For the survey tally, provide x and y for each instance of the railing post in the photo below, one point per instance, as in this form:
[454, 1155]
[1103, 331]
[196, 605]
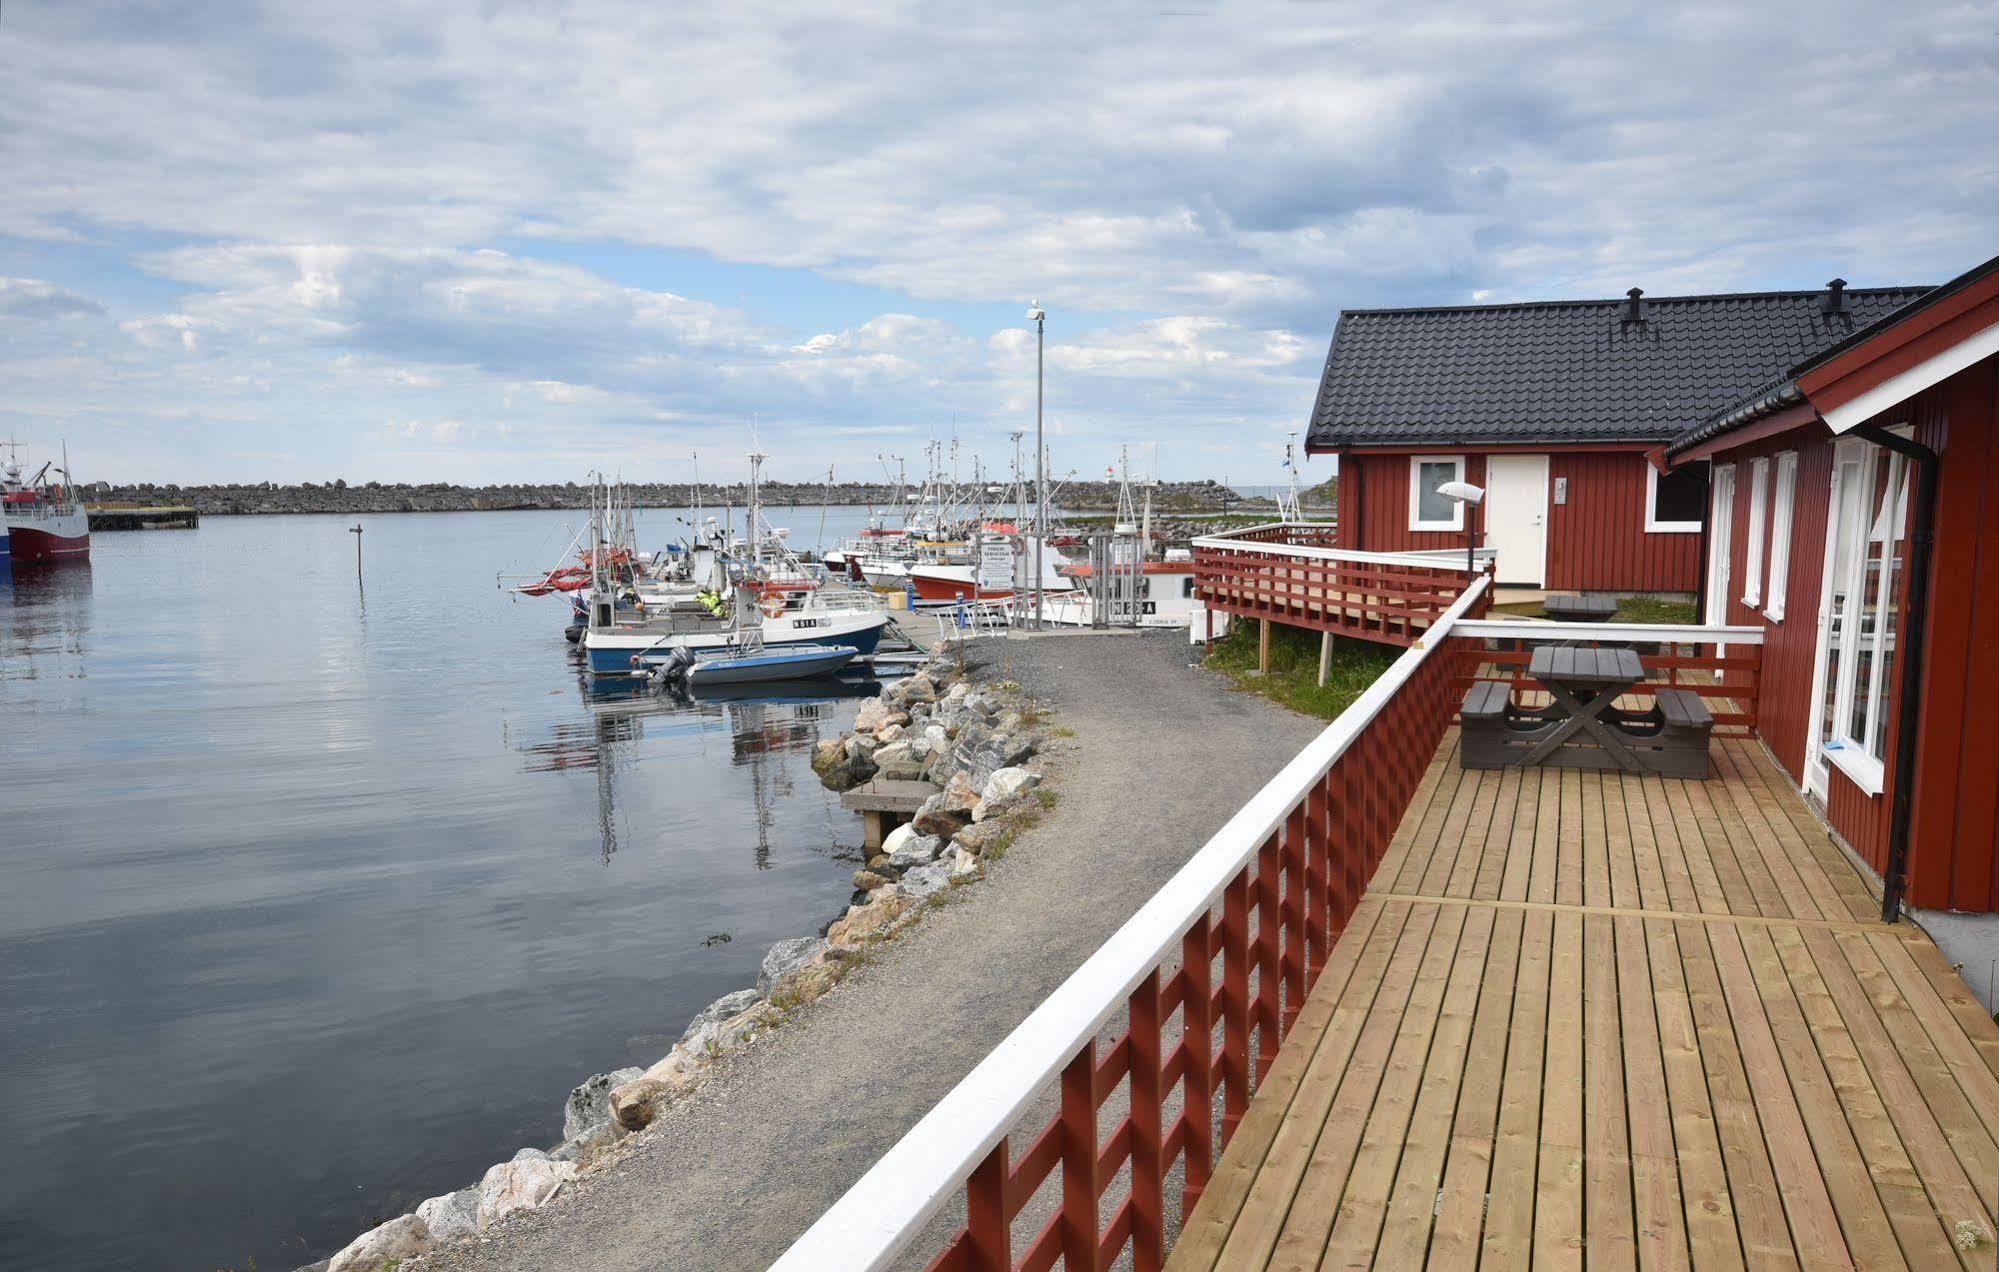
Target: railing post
[1148, 1167]
[1079, 1161]
[1197, 1088]
[1317, 912]
[988, 1231]
[1235, 1004]
[1269, 979]
[1297, 904]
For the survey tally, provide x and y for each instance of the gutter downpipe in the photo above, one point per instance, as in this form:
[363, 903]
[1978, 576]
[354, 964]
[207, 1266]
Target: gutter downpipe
[1922, 534]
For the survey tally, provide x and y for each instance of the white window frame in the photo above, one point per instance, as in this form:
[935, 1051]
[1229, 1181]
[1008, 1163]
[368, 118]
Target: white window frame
[1842, 750]
[1416, 522]
[1752, 548]
[1783, 500]
[1652, 523]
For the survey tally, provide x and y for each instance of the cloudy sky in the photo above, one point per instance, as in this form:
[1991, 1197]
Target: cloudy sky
[517, 239]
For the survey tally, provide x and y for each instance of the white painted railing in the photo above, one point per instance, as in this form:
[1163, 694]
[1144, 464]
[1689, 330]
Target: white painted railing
[1660, 633]
[1235, 541]
[890, 1205]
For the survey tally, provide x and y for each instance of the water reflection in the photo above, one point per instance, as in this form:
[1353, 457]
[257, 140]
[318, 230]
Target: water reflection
[48, 620]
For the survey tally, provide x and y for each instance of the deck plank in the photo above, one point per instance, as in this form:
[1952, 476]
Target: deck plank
[1622, 1021]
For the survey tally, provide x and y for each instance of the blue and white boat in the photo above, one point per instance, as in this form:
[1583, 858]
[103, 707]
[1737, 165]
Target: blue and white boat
[752, 663]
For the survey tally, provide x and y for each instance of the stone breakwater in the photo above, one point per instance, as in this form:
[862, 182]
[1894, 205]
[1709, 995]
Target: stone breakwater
[980, 745]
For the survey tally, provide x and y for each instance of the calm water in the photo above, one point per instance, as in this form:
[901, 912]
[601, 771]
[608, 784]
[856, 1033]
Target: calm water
[315, 900]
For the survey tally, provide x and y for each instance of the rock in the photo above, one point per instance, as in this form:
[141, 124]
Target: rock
[936, 735]
[963, 863]
[728, 1005]
[866, 921]
[868, 881]
[454, 1216]
[403, 1237]
[880, 864]
[895, 839]
[980, 836]
[875, 713]
[918, 688]
[512, 1187]
[635, 1104]
[840, 779]
[786, 957]
[924, 880]
[1009, 781]
[917, 850]
[585, 1148]
[909, 770]
[893, 753]
[859, 747]
[808, 984]
[960, 796]
[934, 818]
[590, 1102]
[889, 733]
[958, 693]
[829, 755]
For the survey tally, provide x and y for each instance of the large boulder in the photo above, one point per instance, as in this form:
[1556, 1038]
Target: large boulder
[867, 880]
[898, 752]
[635, 1104]
[585, 1148]
[918, 688]
[960, 796]
[924, 880]
[786, 957]
[963, 863]
[452, 1217]
[711, 1017]
[935, 817]
[1008, 782]
[829, 755]
[917, 850]
[403, 1237]
[863, 922]
[590, 1102]
[875, 713]
[979, 837]
[525, 1183]
[808, 984]
[895, 839]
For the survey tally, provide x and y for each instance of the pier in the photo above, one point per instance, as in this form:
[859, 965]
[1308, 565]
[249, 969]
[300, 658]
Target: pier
[142, 517]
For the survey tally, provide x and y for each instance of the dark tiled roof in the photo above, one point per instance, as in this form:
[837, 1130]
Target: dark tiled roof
[1770, 398]
[1568, 371]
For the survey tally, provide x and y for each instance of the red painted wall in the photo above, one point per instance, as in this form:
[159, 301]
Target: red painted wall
[1596, 541]
[1954, 835]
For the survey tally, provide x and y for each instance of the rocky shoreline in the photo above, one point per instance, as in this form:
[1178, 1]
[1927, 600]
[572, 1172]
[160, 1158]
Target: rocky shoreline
[980, 745]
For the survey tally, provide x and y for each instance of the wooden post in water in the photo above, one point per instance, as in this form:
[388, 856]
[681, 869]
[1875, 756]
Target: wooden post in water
[355, 530]
[1325, 656]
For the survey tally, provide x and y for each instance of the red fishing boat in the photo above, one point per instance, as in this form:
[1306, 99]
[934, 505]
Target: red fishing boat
[44, 521]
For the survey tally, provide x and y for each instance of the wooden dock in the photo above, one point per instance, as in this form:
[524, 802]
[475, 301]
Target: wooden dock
[1618, 1021]
[135, 517]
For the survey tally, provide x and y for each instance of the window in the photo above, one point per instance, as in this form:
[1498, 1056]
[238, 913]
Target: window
[1870, 495]
[1428, 509]
[1780, 536]
[1674, 501]
[1752, 551]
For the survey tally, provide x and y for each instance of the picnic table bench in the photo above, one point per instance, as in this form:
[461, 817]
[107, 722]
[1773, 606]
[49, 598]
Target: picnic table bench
[1573, 607]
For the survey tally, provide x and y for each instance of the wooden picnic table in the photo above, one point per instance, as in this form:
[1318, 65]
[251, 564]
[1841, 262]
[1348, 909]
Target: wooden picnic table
[1567, 673]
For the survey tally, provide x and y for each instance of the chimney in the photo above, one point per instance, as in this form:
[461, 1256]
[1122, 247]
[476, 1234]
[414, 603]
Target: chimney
[1834, 300]
[1634, 305]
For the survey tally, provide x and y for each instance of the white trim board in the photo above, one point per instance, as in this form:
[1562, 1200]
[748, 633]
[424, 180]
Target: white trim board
[1897, 389]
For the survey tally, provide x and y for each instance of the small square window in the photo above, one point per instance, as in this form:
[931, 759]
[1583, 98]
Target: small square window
[1675, 502]
[1429, 509]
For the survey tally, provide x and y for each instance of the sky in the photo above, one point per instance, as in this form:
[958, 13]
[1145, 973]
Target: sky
[518, 240]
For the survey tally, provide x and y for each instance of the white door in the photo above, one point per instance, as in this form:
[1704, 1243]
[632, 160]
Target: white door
[1516, 517]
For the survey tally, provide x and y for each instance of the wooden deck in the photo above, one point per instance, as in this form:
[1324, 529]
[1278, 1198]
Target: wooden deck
[1590, 1018]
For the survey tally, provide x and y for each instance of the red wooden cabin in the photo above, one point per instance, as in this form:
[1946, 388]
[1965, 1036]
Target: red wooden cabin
[1829, 491]
[1552, 406]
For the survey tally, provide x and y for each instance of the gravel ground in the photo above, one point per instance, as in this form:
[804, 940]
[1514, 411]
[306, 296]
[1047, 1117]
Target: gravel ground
[1162, 755]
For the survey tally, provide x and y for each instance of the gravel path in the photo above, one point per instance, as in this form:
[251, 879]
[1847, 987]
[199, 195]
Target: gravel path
[1162, 755]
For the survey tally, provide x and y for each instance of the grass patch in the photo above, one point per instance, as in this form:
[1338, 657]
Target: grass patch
[1650, 609]
[1294, 667]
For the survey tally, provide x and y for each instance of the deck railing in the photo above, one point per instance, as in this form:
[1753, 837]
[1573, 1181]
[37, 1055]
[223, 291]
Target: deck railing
[1289, 572]
[1209, 976]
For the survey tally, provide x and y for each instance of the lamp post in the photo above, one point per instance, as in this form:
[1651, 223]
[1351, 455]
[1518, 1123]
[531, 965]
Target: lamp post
[1039, 317]
[1467, 497]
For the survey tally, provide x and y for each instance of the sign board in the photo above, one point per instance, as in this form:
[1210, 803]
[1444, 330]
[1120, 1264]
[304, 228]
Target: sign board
[995, 563]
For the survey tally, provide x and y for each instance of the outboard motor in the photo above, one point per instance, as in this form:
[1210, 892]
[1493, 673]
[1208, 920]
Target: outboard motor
[674, 669]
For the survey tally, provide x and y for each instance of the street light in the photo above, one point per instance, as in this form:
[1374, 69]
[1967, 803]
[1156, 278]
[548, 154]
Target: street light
[1039, 317]
[1467, 496]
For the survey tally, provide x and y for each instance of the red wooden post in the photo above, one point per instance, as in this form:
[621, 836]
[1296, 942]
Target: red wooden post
[1268, 978]
[1197, 1087]
[1079, 1161]
[1235, 1003]
[988, 1233]
[1148, 1165]
[1316, 917]
[1295, 908]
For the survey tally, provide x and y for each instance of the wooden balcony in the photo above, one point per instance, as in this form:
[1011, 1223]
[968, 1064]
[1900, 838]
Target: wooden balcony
[1622, 1021]
[1291, 573]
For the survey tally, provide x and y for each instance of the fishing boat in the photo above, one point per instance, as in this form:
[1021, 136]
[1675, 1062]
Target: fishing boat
[42, 520]
[749, 661]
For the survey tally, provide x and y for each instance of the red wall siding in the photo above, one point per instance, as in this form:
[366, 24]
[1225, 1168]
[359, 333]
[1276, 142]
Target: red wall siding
[1596, 541]
[1954, 836]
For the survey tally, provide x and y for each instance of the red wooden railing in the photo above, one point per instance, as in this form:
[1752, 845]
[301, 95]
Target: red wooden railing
[1293, 575]
[1209, 976]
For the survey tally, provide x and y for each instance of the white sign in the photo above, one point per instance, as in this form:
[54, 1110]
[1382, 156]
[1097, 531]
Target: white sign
[995, 563]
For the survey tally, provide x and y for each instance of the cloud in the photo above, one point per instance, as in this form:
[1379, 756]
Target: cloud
[1194, 196]
[31, 300]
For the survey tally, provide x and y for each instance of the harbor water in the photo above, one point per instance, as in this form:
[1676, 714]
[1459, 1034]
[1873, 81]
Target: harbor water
[318, 892]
